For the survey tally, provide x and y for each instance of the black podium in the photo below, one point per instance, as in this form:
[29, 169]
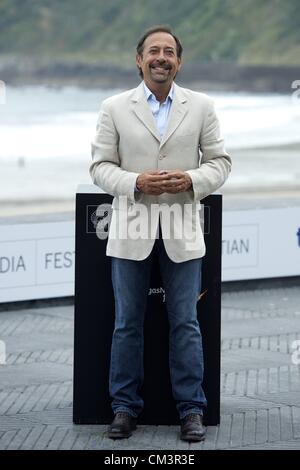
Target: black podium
[94, 322]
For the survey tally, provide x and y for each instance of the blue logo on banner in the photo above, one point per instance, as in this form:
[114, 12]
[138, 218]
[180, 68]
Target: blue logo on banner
[298, 235]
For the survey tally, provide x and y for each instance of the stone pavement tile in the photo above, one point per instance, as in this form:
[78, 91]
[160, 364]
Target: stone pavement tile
[273, 424]
[159, 436]
[260, 382]
[296, 421]
[283, 343]
[68, 439]
[249, 428]
[35, 373]
[166, 435]
[50, 391]
[259, 327]
[286, 423]
[277, 298]
[228, 382]
[93, 442]
[14, 422]
[37, 342]
[26, 398]
[196, 446]
[82, 436]
[239, 360]
[236, 434]
[9, 323]
[67, 356]
[18, 358]
[56, 355]
[58, 311]
[57, 438]
[284, 398]
[294, 377]
[41, 356]
[109, 444]
[62, 397]
[244, 313]
[224, 432]
[45, 437]
[211, 438]
[122, 444]
[252, 382]
[232, 404]
[281, 445]
[6, 438]
[125, 444]
[273, 379]
[239, 429]
[59, 417]
[261, 435]
[14, 324]
[143, 435]
[18, 439]
[8, 398]
[95, 439]
[241, 383]
[32, 437]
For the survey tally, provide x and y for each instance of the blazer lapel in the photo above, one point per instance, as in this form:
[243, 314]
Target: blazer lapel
[143, 111]
[178, 112]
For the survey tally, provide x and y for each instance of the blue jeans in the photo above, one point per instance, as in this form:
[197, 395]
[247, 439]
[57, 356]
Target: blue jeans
[182, 284]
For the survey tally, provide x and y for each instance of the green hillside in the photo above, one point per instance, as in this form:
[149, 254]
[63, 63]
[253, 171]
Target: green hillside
[243, 31]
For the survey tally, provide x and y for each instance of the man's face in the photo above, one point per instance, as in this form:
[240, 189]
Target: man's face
[159, 62]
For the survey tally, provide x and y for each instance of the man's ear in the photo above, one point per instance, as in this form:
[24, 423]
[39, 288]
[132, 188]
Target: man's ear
[179, 63]
[138, 60]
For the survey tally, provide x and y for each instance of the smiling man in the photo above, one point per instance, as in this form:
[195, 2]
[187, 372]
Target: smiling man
[158, 146]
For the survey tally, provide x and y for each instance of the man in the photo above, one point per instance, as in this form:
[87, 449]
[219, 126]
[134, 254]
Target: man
[158, 147]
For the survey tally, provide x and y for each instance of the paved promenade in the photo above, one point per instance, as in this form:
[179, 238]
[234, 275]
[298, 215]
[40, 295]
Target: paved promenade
[260, 384]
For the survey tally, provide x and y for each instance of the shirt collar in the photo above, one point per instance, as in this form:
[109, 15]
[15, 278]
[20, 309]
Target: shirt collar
[150, 95]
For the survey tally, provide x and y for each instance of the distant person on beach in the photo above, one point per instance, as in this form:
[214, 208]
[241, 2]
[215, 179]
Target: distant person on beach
[157, 146]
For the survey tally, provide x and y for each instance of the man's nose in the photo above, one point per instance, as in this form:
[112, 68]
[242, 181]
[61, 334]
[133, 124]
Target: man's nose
[161, 56]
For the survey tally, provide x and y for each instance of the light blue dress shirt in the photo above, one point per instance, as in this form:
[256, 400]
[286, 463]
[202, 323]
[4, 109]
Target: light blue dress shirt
[159, 110]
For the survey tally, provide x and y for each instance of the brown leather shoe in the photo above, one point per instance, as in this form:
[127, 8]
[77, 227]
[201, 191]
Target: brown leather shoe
[122, 426]
[192, 428]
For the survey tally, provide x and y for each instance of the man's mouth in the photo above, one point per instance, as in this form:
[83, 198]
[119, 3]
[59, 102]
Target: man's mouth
[160, 68]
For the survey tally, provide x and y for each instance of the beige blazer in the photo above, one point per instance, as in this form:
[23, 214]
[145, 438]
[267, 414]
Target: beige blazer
[127, 143]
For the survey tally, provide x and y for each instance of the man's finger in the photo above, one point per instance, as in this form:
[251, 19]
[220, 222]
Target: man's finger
[173, 182]
[158, 178]
[176, 174]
